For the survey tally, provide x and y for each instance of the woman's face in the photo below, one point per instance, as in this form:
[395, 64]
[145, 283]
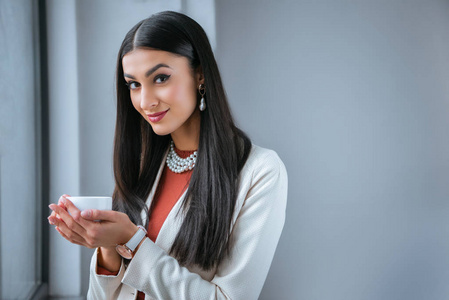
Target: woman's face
[163, 83]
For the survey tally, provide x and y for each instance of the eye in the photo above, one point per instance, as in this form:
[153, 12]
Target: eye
[161, 78]
[132, 85]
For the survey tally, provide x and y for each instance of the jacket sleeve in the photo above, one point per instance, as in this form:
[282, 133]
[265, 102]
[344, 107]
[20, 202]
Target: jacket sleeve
[106, 287]
[254, 239]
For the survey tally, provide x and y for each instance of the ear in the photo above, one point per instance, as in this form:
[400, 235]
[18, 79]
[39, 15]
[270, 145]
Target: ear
[199, 75]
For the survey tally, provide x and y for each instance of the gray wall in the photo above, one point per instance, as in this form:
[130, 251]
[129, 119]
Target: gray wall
[20, 201]
[354, 97]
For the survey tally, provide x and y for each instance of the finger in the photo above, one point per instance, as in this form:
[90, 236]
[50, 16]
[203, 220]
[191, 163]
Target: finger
[61, 201]
[55, 220]
[53, 215]
[70, 234]
[51, 220]
[68, 220]
[76, 214]
[103, 215]
[64, 236]
[61, 205]
[72, 209]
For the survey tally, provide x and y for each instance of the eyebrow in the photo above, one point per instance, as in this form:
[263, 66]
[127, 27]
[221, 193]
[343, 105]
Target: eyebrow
[149, 72]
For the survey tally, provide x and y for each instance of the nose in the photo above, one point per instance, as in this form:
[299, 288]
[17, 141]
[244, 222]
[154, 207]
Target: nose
[148, 100]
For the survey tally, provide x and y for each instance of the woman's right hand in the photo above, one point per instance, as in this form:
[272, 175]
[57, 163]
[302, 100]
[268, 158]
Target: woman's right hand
[82, 228]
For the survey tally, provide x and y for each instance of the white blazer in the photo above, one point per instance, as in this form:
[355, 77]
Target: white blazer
[257, 225]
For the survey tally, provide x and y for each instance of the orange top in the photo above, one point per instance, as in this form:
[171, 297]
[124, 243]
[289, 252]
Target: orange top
[170, 188]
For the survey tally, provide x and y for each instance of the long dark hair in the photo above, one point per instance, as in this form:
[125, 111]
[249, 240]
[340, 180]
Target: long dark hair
[203, 238]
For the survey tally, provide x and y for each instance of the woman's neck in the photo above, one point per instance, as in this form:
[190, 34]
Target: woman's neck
[185, 142]
[187, 137]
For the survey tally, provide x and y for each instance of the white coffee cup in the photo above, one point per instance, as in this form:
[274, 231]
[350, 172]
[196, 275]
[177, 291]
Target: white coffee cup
[83, 203]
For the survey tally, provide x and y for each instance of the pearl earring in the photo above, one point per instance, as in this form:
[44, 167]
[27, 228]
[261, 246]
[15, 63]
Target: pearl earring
[202, 91]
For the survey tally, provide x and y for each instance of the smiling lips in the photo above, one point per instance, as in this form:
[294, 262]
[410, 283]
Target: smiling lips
[156, 117]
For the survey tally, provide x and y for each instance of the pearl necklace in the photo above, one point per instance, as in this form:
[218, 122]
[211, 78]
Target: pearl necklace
[177, 164]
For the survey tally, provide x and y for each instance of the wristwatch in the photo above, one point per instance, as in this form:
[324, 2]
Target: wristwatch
[127, 250]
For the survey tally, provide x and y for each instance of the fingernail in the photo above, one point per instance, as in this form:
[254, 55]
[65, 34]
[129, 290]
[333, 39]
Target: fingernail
[50, 220]
[50, 206]
[86, 213]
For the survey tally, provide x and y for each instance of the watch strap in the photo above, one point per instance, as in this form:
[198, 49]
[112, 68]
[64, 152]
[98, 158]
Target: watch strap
[136, 239]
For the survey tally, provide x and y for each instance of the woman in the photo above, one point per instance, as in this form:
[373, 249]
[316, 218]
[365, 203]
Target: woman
[212, 202]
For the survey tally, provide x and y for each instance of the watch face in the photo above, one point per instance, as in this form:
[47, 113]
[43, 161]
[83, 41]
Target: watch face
[124, 251]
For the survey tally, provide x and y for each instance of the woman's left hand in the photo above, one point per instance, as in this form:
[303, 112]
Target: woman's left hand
[81, 228]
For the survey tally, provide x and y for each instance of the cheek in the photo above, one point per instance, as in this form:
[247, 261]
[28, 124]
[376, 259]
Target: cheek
[169, 94]
[135, 100]
[179, 95]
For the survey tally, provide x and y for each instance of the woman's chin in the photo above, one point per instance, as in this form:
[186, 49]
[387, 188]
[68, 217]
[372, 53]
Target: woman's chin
[160, 131]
